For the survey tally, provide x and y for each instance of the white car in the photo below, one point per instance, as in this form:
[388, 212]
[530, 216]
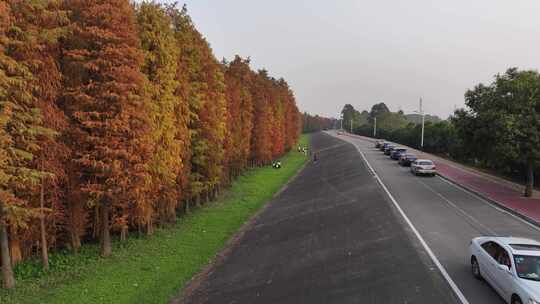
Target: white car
[423, 166]
[510, 265]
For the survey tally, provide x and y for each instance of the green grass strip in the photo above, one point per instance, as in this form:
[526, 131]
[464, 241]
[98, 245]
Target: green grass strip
[153, 269]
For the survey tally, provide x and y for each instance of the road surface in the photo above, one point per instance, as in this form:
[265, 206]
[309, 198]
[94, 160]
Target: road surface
[332, 236]
[447, 217]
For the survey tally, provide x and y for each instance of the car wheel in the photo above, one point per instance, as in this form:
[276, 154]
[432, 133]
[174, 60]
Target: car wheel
[516, 300]
[475, 268]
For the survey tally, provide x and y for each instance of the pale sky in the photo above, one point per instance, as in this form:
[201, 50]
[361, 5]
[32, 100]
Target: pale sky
[363, 52]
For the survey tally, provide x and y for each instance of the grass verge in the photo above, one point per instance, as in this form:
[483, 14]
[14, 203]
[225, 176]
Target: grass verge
[153, 269]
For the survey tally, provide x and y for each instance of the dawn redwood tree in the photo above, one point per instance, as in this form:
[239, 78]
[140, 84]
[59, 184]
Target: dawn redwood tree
[261, 145]
[292, 124]
[21, 125]
[104, 100]
[202, 86]
[168, 126]
[42, 23]
[211, 123]
[238, 79]
[276, 104]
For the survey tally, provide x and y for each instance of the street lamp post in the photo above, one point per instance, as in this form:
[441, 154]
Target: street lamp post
[423, 121]
[421, 112]
[375, 127]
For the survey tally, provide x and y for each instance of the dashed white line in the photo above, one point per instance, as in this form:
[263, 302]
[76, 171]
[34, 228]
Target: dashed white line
[491, 204]
[463, 212]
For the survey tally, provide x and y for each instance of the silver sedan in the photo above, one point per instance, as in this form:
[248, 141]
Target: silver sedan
[510, 265]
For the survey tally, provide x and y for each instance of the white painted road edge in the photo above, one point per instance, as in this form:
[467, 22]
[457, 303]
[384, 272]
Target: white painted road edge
[443, 271]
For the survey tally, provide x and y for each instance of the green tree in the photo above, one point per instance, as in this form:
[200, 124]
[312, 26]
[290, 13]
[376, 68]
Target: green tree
[506, 120]
[378, 109]
[350, 117]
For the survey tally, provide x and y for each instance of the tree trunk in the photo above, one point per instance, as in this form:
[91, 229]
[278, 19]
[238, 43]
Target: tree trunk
[123, 233]
[106, 248]
[529, 186]
[149, 227]
[15, 248]
[187, 206]
[44, 248]
[8, 279]
[75, 241]
[97, 225]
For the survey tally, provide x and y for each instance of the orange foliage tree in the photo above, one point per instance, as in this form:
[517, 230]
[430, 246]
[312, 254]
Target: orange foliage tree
[116, 116]
[104, 88]
[238, 79]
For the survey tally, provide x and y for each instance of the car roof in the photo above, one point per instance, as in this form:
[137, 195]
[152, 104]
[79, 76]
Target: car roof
[512, 244]
[427, 160]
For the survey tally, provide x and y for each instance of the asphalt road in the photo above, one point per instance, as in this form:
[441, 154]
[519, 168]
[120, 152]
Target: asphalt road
[447, 217]
[333, 236]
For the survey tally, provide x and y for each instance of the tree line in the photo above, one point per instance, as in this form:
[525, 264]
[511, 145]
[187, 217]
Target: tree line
[314, 123]
[116, 118]
[498, 129]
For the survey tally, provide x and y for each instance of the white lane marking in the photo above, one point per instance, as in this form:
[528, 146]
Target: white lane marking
[463, 212]
[443, 271]
[491, 204]
[472, 194]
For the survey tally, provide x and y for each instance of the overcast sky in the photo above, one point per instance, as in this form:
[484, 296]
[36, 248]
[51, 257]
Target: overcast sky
[362, 52]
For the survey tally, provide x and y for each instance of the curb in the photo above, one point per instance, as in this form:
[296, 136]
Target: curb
[496, 203]
[459, 166]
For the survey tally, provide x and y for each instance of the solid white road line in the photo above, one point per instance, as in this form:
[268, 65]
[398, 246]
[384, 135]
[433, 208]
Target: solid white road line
[443, 271]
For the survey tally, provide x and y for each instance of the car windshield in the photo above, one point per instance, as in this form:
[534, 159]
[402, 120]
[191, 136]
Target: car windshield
[425, 163]
[411, 157]
[528, 267]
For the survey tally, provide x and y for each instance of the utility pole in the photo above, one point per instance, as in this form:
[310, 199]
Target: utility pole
[351, 125]
[375, 127]
[422, 138]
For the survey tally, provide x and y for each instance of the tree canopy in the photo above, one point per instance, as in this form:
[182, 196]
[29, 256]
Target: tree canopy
[116, 117]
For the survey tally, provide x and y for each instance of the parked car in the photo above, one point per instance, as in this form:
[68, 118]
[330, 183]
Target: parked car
[383, 146]
[396, 153]
[510, 265]
[423, 166]
[406, 159]
[388, 149]
[379, 143]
